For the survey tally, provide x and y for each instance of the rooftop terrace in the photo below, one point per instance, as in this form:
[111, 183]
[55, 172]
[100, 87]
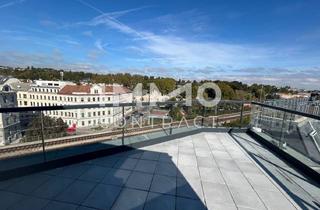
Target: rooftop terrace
[264, 165]
[207, 170]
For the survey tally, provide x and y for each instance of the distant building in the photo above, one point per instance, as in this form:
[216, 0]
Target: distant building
[291, 96]
[154, 96]
[9, 122]
[54, 93]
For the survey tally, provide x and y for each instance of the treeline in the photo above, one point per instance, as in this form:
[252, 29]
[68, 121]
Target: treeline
[230, 89]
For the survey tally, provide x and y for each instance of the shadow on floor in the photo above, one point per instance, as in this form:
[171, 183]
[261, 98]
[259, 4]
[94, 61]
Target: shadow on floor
[136, 179]
[289, 186]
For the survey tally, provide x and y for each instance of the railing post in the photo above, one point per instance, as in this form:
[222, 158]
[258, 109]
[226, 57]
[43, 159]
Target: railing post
[203, 115]
[282, 129]
[170, 110]
[42, 137]
[241, 114]
[123, 121]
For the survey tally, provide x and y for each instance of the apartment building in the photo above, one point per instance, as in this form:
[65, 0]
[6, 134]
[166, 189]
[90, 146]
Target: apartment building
[9, 122]
[54, 93]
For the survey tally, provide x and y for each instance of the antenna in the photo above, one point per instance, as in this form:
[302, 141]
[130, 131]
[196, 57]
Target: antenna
[61, 75]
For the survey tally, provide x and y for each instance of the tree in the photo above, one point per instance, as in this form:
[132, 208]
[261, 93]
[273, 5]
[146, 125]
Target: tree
[175, 113]
[51, 127]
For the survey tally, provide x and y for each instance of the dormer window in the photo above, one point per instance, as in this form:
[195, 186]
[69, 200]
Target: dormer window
[96, 91]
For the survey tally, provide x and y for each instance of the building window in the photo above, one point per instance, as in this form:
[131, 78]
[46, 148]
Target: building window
[82, 100]
[96, 91]
[109, 99]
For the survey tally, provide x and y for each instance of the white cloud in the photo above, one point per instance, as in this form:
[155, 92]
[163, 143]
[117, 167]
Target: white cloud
[100, 45]
[11, 3]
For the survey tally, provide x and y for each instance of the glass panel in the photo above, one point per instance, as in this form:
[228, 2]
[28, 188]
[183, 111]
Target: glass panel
[20, 142]
[297, 135]
[81, 130]
[301, 139]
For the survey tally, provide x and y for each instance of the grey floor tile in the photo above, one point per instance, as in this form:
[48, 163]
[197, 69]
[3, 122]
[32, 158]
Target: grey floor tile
[139, 180]
[164, 157]
[221, 155]
[8, 199]
[130, 199]
[246, 198]
[85, 208]
[227, 165]
[188, 172]
[261, 181]
[187, 160]
[207, 162]
[53, 187]
[236, 179]
[102, 197]
[163, 184]
[76, 192]
[186, 150]
[7, 183]
[53, 172]
[135, 154]
[167, 169]
[126, 163]
[29, 203]
[222, 207]
[157, 201]
[146, 166]
[108, 161]
[29, 183]
[150, 155]
[55, 205]
[74, 171]
[203, 152]
[189, 188]
[116, 177]
[247, 167]
[215, 193]
[211, 175]
[275, 200]
[189, 204]
[95, 173]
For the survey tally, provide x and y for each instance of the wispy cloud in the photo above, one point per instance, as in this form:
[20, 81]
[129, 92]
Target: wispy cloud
[181, 52]
[100, 45]
[11, 3]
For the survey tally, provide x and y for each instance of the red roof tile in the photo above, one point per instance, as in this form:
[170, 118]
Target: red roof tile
[69, 89]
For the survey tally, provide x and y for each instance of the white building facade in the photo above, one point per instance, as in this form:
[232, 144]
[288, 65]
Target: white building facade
[55, 93]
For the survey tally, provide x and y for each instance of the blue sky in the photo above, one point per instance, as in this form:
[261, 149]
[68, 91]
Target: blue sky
[274, 42]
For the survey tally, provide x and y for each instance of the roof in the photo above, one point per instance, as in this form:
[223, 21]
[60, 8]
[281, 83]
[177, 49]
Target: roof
[116, 89]
[70, 89]
[20, 86]
[113, 89]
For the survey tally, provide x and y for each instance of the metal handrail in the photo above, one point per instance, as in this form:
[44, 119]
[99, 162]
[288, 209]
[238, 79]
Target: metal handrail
[99, 105]
[291, 111]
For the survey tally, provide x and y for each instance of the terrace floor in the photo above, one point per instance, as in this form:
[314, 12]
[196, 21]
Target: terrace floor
[202, 171]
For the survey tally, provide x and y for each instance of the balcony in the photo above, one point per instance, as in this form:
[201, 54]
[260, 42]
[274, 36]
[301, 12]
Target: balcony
[218, 162]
